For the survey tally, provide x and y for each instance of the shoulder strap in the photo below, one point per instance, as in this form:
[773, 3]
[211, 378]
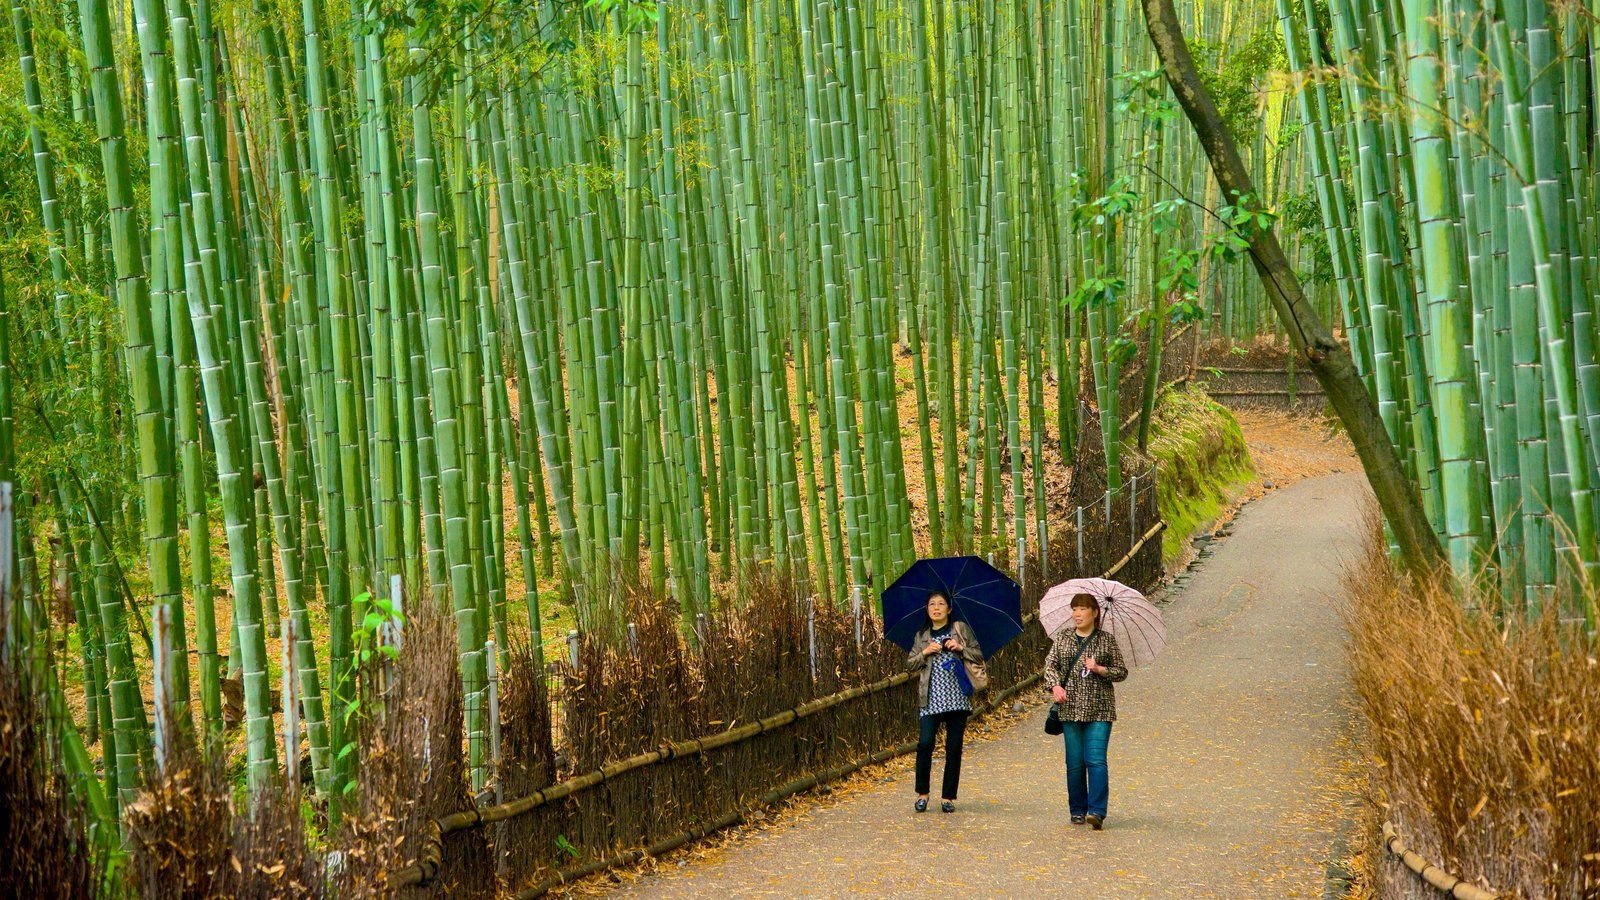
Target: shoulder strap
[1067, 672]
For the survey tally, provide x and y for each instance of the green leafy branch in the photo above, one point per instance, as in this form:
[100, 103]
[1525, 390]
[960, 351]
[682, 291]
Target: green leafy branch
[367, 647]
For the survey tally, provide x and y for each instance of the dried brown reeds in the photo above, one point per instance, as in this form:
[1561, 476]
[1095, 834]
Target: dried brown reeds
[179, 832]
[44, 831]
[187, 838]
[413, 768]
[1485, 733]
[755, 661]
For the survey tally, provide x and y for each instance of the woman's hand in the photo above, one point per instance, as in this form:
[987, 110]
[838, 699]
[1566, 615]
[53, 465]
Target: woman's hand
[1058, 694]
[1091, 665]
[953, 645]
[932, 648]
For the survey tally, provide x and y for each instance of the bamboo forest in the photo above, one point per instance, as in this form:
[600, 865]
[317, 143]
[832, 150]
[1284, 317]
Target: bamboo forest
[479, 447]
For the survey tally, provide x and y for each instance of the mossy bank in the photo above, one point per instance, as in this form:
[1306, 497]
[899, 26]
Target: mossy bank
[1201, 451]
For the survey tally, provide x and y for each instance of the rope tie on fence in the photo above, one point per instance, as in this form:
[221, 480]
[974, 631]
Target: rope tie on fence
[430, 856]
[1432, 874]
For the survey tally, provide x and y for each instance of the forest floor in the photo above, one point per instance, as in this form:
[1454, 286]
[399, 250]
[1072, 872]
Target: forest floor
[1232, 764]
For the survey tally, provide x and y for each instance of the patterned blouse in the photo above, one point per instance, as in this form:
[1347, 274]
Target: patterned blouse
[927, 666]
[1090, 697]
[944, 688]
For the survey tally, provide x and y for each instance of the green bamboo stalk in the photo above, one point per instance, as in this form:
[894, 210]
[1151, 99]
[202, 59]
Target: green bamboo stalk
[153, 447]
[1519, 135]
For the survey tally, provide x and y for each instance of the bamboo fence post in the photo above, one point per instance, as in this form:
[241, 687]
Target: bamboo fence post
[1133, 512]
[7, 524]
[494, 709]
[1080, 538]
[1022, 564]
[291, 714]
[1044, 556]
[811, 635]
[397, 622]
[492, 669]
[492, 681]
[855, 611]
[163, 656]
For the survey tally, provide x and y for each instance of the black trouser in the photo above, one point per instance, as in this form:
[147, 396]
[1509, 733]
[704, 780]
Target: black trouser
[955, 728]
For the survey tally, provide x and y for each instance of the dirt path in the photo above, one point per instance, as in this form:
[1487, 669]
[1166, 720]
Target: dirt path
[1225, 762]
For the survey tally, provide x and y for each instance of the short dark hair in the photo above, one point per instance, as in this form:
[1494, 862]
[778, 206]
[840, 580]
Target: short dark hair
[1088, 601]
[927, 620]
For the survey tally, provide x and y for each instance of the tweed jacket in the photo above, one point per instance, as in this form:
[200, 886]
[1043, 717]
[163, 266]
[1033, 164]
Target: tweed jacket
[917, 662]
[1090, 699]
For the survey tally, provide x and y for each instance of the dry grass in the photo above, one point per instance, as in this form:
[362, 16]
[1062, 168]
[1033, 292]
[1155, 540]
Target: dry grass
[413, 769]
[188, 835]
[44, 833]
[188, 839]
[1484, 734]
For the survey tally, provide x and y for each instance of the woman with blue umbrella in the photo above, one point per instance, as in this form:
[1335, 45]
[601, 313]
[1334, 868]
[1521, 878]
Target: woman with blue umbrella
[941, 652]
[944, 612]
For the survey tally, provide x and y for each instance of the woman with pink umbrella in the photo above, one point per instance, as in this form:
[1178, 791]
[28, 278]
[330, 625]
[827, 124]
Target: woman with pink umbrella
[1098, 628]
[1082, 665]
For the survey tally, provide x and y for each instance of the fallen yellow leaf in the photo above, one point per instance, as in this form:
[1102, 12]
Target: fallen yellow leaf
[1482, 802]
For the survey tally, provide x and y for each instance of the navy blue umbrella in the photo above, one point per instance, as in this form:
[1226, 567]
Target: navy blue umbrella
[980, 595]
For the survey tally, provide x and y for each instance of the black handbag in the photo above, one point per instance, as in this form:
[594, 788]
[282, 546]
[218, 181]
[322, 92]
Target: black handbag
[1052, 722]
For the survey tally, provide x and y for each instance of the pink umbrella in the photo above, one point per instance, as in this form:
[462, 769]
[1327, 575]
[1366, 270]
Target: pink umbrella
[1132, 620]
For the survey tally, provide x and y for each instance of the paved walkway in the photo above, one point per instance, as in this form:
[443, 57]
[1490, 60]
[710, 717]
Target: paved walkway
[1224, 761]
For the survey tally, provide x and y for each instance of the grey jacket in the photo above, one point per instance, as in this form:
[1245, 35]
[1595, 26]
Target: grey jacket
[916, 661]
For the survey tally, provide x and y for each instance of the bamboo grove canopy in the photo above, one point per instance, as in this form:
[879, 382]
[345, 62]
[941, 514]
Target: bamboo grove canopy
[495, 297]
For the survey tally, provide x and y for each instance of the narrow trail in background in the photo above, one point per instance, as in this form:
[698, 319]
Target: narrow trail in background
[1225, 761]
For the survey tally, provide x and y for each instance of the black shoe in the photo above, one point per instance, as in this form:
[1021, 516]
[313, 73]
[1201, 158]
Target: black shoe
[947, 806]
[922, 804]
[1077, 820]
[1095, 822]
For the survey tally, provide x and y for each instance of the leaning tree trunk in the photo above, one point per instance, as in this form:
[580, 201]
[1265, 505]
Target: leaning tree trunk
[1329, 361]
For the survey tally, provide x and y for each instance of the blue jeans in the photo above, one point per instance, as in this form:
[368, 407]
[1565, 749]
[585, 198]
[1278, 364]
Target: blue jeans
[1087, 788]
